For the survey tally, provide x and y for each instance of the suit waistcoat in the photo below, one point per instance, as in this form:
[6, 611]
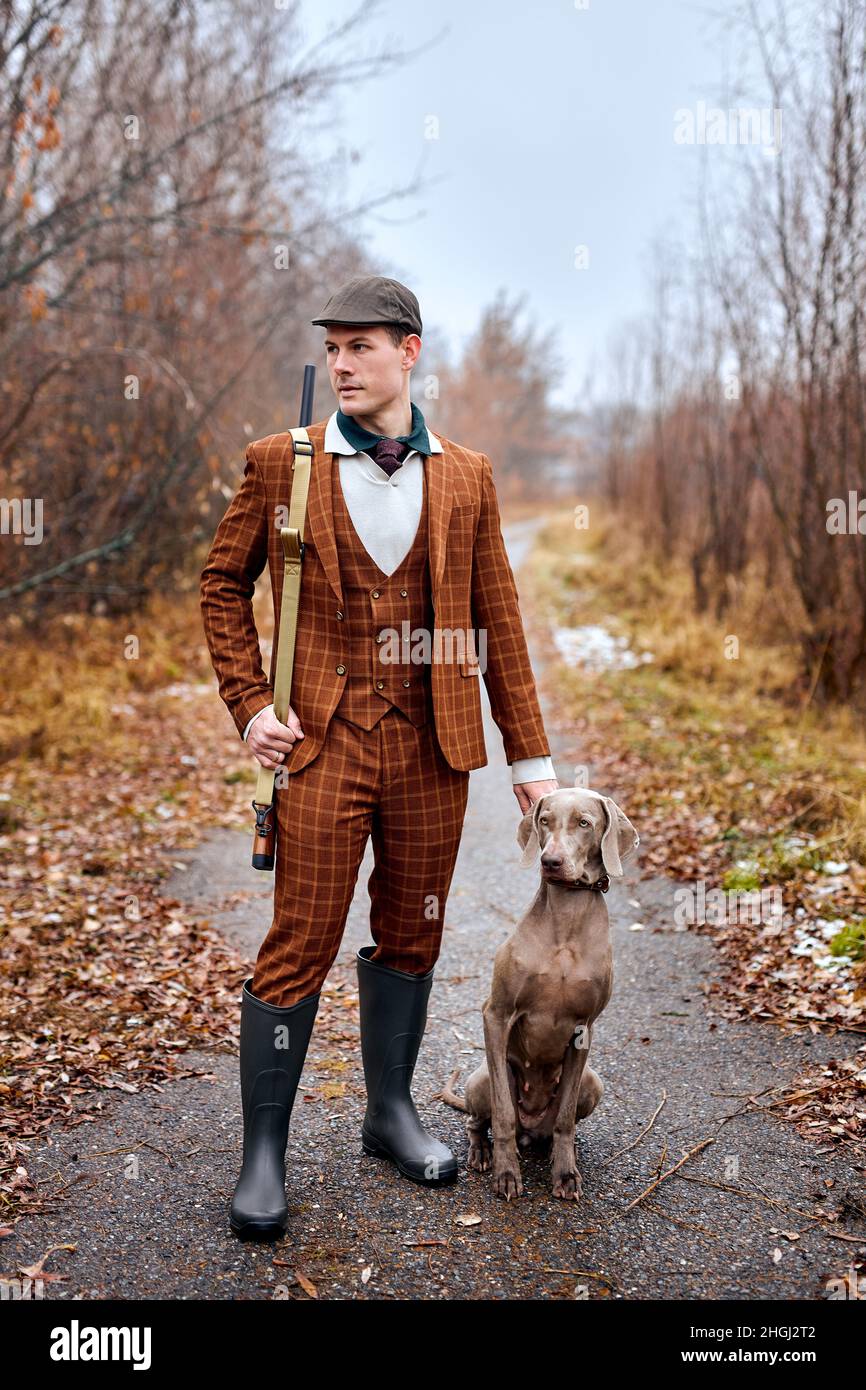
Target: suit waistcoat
[376, 607]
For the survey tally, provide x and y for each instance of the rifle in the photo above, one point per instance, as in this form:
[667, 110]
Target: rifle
[292, 536]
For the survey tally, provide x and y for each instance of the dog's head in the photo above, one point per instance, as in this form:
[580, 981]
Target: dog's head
[580, 834]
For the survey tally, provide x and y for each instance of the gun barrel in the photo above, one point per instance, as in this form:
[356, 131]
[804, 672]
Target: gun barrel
[307, 393]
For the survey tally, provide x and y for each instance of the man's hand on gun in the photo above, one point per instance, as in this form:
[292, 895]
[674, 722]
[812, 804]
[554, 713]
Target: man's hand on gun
[270, 740]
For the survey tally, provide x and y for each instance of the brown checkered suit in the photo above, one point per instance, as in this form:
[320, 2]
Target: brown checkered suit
[403, 781]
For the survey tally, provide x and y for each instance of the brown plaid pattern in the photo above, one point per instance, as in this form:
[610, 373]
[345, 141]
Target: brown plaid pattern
[472, 587]
[397, 787]
[391, 782]
[377, 605]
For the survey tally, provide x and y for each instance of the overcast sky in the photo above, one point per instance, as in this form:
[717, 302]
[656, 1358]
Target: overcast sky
[555, 130]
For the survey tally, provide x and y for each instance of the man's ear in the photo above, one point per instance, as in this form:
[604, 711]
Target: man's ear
[620, 839]
[527, 835]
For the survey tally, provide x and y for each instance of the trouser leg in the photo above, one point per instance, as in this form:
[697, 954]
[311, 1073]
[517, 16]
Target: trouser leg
[416, 836]
[324, 818]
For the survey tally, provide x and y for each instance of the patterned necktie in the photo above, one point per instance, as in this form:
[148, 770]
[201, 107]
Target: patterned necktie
[389, 454]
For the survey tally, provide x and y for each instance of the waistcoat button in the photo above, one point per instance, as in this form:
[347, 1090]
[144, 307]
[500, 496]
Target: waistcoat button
[380, 638]
[375, 593]
[380, 685]
[404, 593]
[339, 614]
[405, 682]
[341, 670]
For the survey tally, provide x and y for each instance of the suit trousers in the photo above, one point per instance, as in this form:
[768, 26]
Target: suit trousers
[392, 782]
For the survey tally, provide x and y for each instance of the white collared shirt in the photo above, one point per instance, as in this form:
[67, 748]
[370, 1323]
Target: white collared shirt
[385, 513]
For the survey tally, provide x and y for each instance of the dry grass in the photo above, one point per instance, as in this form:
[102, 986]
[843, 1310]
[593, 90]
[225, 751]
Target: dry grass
[66, 681]
[741, 723]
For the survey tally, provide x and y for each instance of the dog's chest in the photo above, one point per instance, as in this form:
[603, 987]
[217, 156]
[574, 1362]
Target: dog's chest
[556, 998]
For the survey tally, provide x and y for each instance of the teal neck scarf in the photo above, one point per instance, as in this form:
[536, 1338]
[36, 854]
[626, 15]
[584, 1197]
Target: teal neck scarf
[363, 440]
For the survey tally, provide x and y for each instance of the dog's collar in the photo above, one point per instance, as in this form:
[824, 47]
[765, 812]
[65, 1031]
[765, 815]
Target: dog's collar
[601, 885]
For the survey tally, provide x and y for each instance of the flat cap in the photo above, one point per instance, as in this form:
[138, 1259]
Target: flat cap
[372, 299]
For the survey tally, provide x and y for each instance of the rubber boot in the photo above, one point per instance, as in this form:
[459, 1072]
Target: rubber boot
[273, 1046]
[393, 1009]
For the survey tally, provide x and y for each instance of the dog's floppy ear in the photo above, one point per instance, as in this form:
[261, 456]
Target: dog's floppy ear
[527, 835]
[620, 839]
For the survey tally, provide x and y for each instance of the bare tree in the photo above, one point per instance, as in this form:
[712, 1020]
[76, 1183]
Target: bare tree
[775, 310]
[160, 229]
[498, 396]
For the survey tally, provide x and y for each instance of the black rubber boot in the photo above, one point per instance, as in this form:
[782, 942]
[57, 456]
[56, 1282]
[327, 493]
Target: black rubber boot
[273, 1047]
[393, 1008]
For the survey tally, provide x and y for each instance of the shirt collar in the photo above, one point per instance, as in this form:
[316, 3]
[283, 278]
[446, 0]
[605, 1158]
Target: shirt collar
[422, 439]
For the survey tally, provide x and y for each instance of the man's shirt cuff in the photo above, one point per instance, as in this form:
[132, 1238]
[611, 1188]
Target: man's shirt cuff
[253, 720]
[533, 770]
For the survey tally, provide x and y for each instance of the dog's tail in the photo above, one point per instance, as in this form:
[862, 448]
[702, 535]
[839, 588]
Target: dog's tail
[448, 1095]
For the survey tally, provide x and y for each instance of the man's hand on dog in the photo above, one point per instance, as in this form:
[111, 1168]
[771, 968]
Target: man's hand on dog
[528, 793]
[270, 740]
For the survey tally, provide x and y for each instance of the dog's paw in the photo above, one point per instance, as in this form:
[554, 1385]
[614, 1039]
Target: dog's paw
[480, 1154]
[507, 1183]
[567, 1184]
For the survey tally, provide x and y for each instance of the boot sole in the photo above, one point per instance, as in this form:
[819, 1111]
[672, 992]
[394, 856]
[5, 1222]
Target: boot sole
[257, 1230]
[376, 1150]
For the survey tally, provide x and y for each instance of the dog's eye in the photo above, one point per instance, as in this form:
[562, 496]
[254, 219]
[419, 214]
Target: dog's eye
[584, 822]
[542, 820]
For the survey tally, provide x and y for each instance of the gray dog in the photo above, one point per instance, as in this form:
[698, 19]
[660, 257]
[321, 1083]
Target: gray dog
[551, 980]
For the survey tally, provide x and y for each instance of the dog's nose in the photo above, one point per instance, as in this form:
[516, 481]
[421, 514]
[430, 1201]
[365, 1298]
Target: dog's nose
[551, 862]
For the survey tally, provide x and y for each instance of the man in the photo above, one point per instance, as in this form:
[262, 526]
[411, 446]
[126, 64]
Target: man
[402, 543]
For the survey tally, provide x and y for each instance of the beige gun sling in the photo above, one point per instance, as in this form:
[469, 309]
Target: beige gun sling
[292, 537]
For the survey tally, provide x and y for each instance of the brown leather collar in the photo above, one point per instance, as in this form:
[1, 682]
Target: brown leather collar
[601, 885]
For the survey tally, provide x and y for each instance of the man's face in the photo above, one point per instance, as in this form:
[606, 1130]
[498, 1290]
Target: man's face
[367, 370]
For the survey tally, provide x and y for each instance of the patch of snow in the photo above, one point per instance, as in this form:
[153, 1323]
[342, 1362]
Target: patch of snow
[596, 649]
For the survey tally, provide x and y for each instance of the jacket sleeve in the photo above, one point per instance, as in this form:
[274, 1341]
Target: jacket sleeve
[496, 611]
[236, 558]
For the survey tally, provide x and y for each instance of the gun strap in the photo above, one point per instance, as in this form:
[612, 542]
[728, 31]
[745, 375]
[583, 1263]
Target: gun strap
[292, 537]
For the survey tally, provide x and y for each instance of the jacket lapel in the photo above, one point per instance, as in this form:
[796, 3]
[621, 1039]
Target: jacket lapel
[439, 474]
[320, 509]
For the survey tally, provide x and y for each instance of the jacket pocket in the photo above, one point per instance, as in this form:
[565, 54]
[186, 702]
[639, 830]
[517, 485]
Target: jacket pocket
[462, 512]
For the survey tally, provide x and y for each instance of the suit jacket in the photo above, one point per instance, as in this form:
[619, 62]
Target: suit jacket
[472, 588]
